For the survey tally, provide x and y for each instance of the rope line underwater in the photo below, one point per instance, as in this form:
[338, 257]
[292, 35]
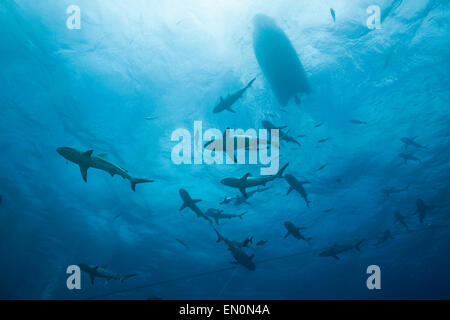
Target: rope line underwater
[200, 274]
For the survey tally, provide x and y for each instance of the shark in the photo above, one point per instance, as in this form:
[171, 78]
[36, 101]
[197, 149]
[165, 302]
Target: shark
[412, 142]
[223, 141]
[219, 214]
[295, 231]
[182, 243]
[237, 252]
[408, 156]
[422, 209]
[190, 203]
[102, 272]
[86, 160]
[225, 104]
[385, 236]
[247, 181]
[319, 125]
[241, 199]
[324, 140]
[391, 190]
[283, 135]
[227, 199]
[400, 219]
[296, 185]
[338, 249]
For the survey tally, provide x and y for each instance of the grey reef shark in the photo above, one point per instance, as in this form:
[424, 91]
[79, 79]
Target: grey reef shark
[225, 104]
[247, 181]
[86, 160]
[102, 272]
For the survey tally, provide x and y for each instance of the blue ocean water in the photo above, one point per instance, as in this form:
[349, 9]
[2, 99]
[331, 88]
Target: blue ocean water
[93, 88]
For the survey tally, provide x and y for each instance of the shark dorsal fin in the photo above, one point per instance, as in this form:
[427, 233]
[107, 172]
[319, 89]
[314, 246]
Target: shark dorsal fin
[246, 176]
[88, 153]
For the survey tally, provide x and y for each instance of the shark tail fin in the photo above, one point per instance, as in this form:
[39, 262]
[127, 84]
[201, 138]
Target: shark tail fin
[358, 244]
[131, 275]
[280, 173]
[135, 181]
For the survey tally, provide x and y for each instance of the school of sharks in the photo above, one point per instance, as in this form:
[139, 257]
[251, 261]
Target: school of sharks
[325, 202]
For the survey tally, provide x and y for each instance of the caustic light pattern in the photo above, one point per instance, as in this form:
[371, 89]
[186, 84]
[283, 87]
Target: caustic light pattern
[357, 92]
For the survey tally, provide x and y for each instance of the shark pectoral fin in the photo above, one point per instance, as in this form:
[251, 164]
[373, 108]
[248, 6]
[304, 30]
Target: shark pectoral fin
[231, 110]
[135, 181]
[105, 266]
[88, 153]
[289, 191]
[244, 193]
[131, 275]
[221, 98]
[83, 171]
[252, 256]
[336, 257]
[184, 206]
[196, 200]
[217, 220]
[92, 279]
[287, 234]
[233, 262]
